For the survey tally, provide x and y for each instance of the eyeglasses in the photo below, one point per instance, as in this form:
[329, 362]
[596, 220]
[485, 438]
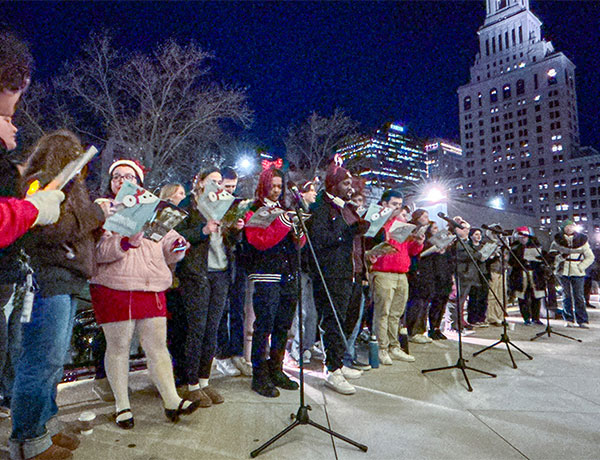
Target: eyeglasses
[129, 177]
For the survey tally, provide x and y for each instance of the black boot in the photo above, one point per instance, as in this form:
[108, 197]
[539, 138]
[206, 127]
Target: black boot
[278, 378]
[261, 382]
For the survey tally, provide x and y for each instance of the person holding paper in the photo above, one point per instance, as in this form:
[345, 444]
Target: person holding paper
[272, 254]
[18, 216]
[128, 292]
[390, 287]
[430, 287]
[62, 258]
[478, 295]
[574, 256]
[528, 286]
[204, 277]
[333, 228]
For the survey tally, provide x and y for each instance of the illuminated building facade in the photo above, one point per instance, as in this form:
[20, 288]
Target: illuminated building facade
[518, 120]
[389, 158]
[444, 159]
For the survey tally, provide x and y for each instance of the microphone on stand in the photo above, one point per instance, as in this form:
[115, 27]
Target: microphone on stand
[497, 230]
[450, 222]
[292, 187]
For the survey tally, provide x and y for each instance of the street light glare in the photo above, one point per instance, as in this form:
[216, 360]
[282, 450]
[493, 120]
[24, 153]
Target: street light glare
[245, 164]
[434, 194]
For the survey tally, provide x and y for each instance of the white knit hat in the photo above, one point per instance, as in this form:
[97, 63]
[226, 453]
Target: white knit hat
[132, 164]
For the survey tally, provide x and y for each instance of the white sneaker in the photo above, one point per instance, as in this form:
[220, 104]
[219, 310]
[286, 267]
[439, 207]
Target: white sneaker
[384, 358]
[427, 338]
[418, 338]
[226, 367]
[243, 366]
[350, 373]
[397, 353]
[337, 382]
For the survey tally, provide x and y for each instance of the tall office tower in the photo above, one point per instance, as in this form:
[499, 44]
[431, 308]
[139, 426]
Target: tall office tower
[388, 158]
[518, 114]
[445, 159]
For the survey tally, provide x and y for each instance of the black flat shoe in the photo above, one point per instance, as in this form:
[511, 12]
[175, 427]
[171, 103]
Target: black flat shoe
[173, 414]
[126, 424]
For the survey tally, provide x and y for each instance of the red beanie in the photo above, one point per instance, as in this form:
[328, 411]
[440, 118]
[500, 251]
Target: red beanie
[335, 175]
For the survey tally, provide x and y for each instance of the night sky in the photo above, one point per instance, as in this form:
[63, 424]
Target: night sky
[379, 61]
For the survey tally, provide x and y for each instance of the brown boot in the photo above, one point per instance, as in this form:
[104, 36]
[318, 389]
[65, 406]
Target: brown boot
[66, 441]
[199, 395]
[54, 452]
[213, 394]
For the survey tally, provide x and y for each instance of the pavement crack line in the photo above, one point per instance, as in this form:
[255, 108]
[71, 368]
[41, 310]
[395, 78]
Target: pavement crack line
[499, 435]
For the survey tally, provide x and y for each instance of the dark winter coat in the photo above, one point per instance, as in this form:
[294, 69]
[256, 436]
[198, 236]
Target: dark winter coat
[516, 278]
[332, 231]
[195, 262]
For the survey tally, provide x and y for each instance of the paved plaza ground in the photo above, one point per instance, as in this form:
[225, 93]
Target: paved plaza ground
[548, 408]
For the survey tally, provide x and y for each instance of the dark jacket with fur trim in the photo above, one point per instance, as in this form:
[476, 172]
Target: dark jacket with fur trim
[573, 254]
[516, 280]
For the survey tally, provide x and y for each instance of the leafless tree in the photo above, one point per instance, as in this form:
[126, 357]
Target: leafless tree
[310, 144]
[160, 108]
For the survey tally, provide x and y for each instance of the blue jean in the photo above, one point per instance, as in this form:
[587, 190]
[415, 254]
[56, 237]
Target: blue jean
[46, 340]
[309, 318]
[573, 290]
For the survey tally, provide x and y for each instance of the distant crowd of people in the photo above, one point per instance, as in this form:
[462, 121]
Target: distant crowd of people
[208, 287]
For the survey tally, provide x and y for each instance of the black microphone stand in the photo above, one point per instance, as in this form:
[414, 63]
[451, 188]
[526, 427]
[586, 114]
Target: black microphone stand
[461, 362]
[548, 330]
[504, 338]
[301, 417]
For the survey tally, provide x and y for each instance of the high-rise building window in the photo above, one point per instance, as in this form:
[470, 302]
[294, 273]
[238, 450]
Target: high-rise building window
[480, 100]
[499, 42]
[493, 95]
[506, 92]
[514, 40]
[467, 103]
[494, 46]
[520, 34]
[487, 47]
[535, 81]
[551, 74]
[520, 86]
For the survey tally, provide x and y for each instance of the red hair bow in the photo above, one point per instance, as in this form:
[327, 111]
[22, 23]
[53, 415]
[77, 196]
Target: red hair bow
[277, 164]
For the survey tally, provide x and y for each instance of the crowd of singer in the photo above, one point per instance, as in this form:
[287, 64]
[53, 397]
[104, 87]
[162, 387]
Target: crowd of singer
[209, 288]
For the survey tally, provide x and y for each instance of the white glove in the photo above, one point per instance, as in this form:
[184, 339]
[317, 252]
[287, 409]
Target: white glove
[48, 205]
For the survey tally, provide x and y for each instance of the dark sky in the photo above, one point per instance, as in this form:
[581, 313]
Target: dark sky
[379, 61]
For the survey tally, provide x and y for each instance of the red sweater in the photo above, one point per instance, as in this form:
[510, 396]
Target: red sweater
[16, 217]
[398, 261]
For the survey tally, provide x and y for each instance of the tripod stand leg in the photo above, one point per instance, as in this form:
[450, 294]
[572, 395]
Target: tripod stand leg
[541, 334]
[487, 348]
[339, 436]
[550, 331]
[511, 356]
[480, 371]
[424, 371]
[255, 452]
[469, 387]
[514, 346]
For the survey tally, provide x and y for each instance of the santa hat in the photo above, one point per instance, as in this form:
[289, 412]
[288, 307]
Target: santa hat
[133, 164]
[525, 231]
[335, 175]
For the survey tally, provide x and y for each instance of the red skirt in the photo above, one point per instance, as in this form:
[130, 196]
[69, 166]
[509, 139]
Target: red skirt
[111, 305]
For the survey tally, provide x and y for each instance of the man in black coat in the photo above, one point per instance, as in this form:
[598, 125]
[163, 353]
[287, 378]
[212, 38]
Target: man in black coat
[332, 228]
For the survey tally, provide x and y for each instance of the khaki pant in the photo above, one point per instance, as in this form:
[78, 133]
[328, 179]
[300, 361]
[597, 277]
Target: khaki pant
[390, 293]
[495, 313]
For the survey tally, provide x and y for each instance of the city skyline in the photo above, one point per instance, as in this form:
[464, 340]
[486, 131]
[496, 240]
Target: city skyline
[384, 61]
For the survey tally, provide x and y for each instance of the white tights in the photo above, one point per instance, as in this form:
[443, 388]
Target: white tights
[153, 338]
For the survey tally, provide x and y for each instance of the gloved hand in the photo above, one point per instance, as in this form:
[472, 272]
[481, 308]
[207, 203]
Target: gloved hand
[47, 203]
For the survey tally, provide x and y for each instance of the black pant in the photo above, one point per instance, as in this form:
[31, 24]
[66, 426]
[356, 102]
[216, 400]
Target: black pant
[204, 302]
[529, 306]
[341, 293]
[176, 334]
[274, 305]
[477, 304]
[230, 340]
